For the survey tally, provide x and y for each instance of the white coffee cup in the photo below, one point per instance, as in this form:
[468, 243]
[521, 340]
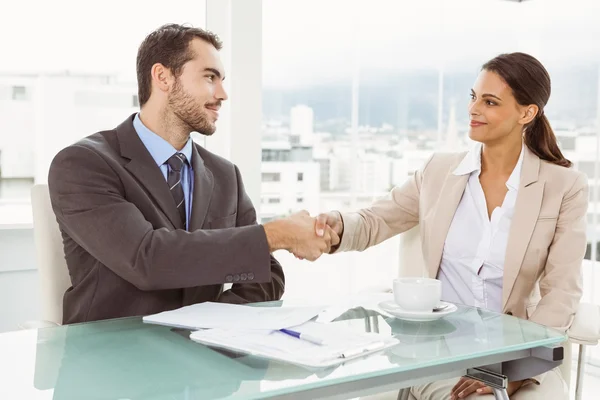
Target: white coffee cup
[417, 294]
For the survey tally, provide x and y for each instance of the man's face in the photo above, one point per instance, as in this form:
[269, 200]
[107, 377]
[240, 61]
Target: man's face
[196, 96]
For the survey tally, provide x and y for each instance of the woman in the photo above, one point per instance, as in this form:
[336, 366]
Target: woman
[495, 220]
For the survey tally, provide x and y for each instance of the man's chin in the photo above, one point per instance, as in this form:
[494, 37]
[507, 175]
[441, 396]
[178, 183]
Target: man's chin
[206, 132]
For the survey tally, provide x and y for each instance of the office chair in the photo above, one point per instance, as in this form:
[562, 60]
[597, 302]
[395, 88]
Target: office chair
[52, 268]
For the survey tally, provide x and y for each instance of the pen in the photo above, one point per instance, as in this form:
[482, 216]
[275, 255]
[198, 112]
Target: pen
[302, 336]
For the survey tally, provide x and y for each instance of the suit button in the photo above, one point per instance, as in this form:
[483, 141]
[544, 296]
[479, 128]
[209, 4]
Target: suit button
[250, 276]
[243, 277]
[229, 278]
[236, 278]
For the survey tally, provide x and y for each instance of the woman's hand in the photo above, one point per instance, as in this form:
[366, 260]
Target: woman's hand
[466, 386]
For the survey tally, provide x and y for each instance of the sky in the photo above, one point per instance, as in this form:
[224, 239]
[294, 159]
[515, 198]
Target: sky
[307, 42]
[85, 36]
[324, 36]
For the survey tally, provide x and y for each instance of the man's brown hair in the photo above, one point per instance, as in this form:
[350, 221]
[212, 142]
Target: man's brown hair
[169, 46]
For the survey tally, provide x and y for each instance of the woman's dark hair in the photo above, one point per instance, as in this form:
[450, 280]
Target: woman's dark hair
[530, 84]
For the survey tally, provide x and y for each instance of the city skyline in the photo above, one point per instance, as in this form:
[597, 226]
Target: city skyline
[409, 101]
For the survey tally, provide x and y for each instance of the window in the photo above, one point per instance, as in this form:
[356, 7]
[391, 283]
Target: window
[87, 79]
[586, 167]
[271, 177]
[300, 177]
[391, 86]
[15, 188]
[19, 93]
[276, 154]
[299, 200]
[567, 143]
[588, 251]
[274, 200]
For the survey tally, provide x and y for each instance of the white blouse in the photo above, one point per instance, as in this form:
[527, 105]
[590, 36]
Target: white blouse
[473, 257]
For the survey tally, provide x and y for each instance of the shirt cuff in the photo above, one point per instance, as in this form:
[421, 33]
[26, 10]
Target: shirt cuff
[351, 222]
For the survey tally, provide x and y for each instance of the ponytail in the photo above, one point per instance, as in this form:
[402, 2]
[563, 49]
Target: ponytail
[540, 139]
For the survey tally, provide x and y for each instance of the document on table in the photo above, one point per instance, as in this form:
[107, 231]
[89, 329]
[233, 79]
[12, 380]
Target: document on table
[229, 316]
[340, 343]
[368, 301]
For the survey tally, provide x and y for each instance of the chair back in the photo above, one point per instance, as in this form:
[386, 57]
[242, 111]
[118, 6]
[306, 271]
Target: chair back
[50, 257]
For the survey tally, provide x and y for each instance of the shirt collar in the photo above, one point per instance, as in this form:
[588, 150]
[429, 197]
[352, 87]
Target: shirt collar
[515, 177]
[159, 148]
[472, 163]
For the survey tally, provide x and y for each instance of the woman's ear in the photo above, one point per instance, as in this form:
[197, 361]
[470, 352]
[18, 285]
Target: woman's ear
[528, 114]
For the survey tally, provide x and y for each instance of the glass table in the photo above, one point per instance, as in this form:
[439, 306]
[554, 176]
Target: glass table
[127, 359]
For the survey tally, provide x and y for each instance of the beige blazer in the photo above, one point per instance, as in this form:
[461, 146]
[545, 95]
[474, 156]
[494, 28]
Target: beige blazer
[547, 239]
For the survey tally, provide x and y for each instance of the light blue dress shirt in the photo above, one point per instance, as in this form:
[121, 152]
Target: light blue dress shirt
[161, 151]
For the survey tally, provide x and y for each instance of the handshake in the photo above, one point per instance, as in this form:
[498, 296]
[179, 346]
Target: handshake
[305, 236]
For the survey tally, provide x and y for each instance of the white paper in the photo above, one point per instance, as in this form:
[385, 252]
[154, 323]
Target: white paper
[368, 301]
[229, 316]
[279, 346]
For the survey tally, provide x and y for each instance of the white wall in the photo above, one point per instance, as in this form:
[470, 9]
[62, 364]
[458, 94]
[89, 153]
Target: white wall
[18, 279]
[69, 109]
[16, 131]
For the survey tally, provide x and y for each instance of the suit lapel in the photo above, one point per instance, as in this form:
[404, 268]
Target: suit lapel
[527, 210]
[447, 203]
[144, 168]
[203, 188]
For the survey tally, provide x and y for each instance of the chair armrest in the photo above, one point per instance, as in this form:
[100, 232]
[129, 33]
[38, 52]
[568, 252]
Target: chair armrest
[37, 324]
[586, 325]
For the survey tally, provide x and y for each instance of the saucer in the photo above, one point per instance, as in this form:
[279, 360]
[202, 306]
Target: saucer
[395, 310]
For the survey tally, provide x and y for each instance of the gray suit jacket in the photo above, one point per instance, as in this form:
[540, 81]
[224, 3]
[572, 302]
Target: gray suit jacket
[123, 239]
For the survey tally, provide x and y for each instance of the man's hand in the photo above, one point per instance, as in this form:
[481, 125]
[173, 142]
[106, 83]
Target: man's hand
[297, 235]
[308, 245]
[333, 220]
[466, 386]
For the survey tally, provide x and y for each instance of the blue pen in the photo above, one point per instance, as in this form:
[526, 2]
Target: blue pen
[302, 336]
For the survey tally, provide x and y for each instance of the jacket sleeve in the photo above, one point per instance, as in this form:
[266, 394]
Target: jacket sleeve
[246, 292]
[386, 217]
[89, 201]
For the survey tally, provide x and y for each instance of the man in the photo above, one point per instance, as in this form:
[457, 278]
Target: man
[150, 220]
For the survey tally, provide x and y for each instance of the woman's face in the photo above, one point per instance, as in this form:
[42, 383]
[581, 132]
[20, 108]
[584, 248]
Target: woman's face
[493, 110]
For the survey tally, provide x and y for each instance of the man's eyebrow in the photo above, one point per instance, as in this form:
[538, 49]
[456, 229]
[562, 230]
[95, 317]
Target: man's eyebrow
[214, 71]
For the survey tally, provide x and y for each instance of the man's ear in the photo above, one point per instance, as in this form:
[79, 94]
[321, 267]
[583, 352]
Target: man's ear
[161, 77]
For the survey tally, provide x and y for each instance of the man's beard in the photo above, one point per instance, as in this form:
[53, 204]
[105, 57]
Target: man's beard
[189, 112]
